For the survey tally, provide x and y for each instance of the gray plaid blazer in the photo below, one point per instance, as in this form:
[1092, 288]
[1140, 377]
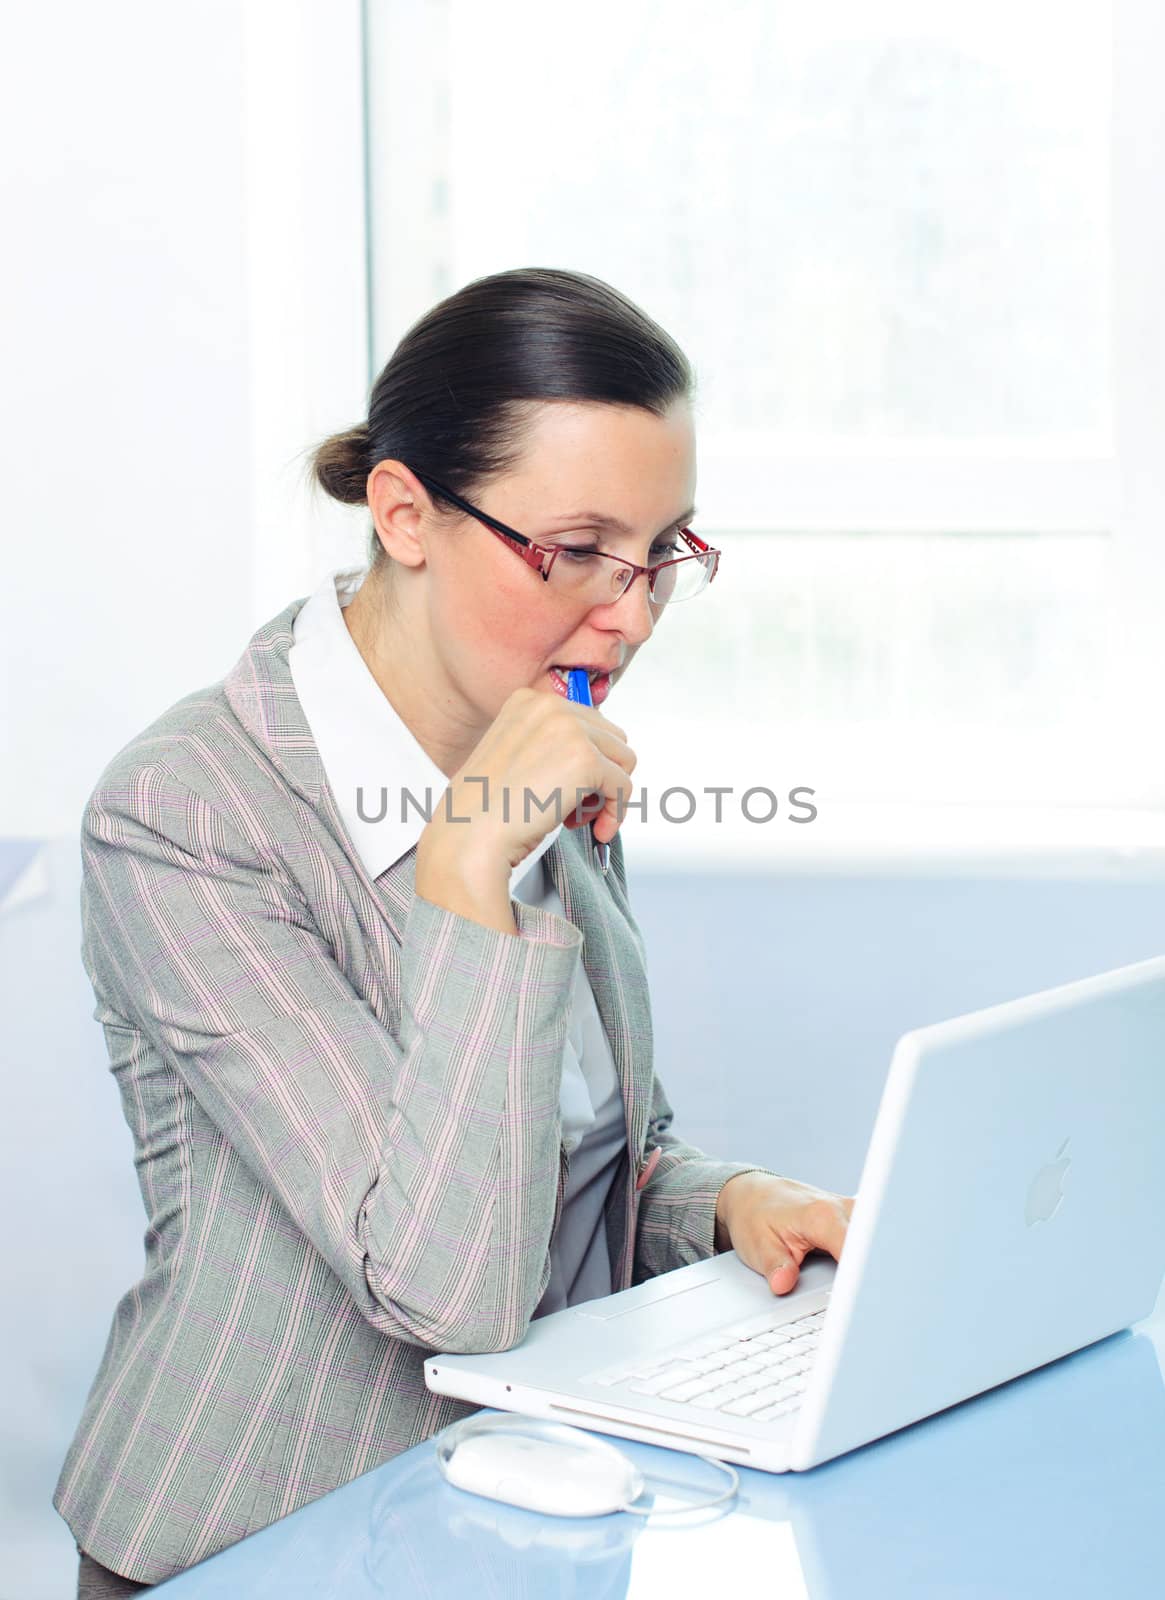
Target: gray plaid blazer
[344, 1105]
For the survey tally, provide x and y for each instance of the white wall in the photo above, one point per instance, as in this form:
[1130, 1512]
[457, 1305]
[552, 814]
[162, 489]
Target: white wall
[182, 290]
[125, 400]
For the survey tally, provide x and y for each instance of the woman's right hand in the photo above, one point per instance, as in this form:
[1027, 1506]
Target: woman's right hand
[525, 776]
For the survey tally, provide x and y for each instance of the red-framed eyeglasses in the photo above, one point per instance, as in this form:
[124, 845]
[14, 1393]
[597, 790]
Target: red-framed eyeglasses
[594, 576]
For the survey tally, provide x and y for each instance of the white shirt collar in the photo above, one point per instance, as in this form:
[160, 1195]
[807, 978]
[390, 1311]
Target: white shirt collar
[363, 743]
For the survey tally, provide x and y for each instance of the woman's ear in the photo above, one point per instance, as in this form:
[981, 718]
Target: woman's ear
[396, 499]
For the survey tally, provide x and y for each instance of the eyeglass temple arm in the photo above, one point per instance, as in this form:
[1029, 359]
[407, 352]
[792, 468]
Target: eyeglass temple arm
[533, 554]
[702, 547]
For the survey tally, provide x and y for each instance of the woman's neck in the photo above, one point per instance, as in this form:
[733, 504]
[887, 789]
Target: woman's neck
[396, 647]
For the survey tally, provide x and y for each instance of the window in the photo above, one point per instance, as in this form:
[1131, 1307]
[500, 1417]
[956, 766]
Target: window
[887, 238]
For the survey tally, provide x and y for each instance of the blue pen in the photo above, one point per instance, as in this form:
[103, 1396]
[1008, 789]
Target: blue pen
[578, 689]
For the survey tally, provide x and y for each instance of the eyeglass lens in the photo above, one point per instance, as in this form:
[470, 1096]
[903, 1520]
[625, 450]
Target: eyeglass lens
[594, 580]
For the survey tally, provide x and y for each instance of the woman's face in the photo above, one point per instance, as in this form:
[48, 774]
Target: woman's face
[493, 621]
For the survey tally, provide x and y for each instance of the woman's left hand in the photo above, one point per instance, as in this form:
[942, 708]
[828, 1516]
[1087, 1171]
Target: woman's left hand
[773, 1223]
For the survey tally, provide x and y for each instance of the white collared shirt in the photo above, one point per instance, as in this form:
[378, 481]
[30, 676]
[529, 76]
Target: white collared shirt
[360, 736]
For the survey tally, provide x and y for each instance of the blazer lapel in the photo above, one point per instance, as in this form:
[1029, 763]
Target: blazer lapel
[261, 692]
[615, 968]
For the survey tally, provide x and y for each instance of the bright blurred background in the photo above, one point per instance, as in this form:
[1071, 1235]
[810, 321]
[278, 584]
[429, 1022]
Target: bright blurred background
[915, 254]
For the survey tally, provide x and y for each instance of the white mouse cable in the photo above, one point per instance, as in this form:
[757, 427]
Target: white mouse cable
[697, 1505]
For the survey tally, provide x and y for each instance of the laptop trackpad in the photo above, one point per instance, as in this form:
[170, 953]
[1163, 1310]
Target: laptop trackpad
[641, 1298]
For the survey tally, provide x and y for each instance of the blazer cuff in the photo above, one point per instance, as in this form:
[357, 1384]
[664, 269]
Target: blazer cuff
[677, 1217]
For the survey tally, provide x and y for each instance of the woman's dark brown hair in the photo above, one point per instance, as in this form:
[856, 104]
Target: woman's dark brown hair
[450, 401]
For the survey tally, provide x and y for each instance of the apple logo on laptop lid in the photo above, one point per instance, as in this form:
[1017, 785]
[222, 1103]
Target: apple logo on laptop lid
[1047, 1189]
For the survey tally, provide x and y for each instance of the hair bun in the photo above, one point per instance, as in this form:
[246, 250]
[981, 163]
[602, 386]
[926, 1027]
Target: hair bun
[341, 466]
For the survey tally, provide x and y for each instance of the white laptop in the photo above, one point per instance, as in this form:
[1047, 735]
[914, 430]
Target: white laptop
[1011, 1210]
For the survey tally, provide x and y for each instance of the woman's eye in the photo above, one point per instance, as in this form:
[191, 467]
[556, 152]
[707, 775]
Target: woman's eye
[661, 550]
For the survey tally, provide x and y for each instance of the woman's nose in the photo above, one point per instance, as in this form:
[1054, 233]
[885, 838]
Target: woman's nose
[632, 613]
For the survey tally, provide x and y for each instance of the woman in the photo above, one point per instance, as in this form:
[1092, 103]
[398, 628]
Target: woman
[389, 1072]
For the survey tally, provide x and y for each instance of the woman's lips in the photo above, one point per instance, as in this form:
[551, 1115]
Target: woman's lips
[600, 686]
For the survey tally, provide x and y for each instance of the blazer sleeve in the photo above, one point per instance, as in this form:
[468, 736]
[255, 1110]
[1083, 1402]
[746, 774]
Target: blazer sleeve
[425, 1168]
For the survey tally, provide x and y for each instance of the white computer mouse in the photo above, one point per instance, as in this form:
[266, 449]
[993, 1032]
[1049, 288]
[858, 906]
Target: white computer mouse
[543, 1466]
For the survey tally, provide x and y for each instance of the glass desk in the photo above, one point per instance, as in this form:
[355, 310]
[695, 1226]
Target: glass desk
[1053, 1485]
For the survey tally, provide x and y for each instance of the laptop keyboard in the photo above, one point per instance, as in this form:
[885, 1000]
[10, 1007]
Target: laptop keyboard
[757, 1368]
